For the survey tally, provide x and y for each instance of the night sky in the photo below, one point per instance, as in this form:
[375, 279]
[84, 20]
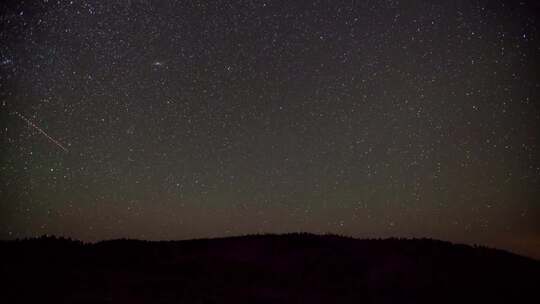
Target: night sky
[189, 119]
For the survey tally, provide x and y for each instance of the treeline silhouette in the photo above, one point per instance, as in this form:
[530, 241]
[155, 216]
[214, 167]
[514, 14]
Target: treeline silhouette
[290, 268]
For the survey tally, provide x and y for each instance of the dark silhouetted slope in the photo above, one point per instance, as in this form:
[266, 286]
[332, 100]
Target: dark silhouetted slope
[294, 268]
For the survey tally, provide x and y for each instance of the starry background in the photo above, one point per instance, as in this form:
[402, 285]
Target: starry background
[189, 119]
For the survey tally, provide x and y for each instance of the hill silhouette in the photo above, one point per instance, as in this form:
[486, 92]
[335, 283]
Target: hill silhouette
[291, 268]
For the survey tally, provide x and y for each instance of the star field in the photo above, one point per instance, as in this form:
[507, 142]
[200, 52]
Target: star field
[187, 119]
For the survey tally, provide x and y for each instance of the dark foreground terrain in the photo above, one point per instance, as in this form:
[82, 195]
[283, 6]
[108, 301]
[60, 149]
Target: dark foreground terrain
[294, 268]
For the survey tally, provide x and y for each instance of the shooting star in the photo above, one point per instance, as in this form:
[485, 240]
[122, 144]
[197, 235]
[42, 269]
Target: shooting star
[33, 125]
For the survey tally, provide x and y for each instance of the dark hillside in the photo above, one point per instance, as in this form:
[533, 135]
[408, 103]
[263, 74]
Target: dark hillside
[294, 268]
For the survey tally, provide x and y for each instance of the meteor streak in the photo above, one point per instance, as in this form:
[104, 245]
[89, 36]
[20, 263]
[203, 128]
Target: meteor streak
[30, 123]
